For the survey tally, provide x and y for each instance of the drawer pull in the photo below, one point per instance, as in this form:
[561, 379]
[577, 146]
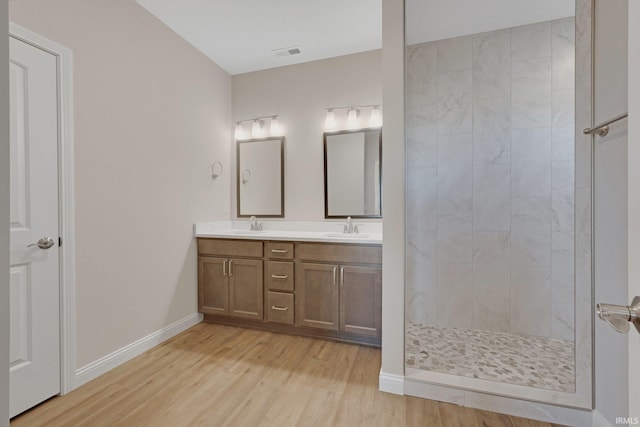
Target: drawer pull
[275, 307]
[279, 251]
[277, 276]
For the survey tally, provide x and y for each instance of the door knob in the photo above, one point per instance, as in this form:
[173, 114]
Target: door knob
[44, 243]
[619, 316]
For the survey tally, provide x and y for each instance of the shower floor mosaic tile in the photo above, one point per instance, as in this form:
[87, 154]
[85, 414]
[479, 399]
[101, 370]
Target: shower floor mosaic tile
[510, 358]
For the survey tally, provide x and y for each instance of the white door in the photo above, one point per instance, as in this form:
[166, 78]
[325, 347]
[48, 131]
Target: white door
[634, 200]
[35, 300]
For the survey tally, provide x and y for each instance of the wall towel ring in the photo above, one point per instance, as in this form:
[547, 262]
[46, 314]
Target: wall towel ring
[246, 176]
[216, 170]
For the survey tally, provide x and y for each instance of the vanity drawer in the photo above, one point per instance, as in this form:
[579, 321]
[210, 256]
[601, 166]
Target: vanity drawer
[339, 253]
[280, 307]
[278, 250]
[279, 275]
[229, 247]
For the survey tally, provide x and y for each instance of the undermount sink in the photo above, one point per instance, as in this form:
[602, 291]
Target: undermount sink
[347, 235]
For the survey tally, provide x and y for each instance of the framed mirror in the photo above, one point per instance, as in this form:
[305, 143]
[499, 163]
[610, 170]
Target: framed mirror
[260, 178]
[353, 173]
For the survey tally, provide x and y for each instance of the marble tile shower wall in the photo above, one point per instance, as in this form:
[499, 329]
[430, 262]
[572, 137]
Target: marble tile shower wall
[490, 181]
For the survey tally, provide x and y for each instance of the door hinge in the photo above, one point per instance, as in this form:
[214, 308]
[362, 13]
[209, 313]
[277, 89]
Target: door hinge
[59, 241]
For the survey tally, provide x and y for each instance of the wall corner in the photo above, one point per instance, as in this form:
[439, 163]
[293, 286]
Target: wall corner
[393, 250]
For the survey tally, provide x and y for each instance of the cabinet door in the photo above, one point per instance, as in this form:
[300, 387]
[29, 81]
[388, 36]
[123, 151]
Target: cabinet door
[317, 296]
[245, 288]
[213, 286]
[361, 300]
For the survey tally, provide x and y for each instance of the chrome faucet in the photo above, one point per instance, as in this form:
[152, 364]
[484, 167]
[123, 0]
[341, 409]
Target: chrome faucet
[350, 227]
[254, 224]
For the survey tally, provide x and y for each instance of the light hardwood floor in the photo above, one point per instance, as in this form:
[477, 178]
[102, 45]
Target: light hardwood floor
[214, 375]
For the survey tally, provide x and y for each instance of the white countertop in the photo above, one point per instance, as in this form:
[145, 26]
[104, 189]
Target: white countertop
[370, 233]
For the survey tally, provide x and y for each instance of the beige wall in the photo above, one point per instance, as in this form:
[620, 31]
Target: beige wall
[4, 215]
[151, 115]
[299, 94]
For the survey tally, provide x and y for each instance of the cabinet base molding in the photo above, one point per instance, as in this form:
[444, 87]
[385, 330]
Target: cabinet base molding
[293, 330]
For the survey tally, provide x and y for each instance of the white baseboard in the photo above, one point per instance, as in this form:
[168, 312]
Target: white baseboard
[390, 383]
[599, 420]
[103, 365]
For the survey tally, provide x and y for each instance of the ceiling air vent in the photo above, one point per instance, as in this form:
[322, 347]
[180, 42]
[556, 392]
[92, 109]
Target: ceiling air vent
[287, 51]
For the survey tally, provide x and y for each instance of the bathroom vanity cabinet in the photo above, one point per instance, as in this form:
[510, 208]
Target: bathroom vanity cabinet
[279, 282]
[339, 287]
[331, 290]
[230, 278]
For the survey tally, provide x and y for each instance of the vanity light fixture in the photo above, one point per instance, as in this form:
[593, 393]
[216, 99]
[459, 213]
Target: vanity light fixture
[352, 118]
[276, 130]
[330, 120]
[375, 121]
[239, 133]
[258, 128]
[353, 115]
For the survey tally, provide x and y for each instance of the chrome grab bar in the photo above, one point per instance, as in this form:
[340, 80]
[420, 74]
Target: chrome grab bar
[603, 128]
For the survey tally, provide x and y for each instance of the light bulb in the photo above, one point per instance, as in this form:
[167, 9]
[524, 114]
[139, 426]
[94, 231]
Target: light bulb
[352, 119]
[275, 126]
[256, 129]
[375, 121]
[239, 133]
[330, 120]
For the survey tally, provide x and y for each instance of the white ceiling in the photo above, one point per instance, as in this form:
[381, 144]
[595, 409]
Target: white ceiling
[240, 35]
